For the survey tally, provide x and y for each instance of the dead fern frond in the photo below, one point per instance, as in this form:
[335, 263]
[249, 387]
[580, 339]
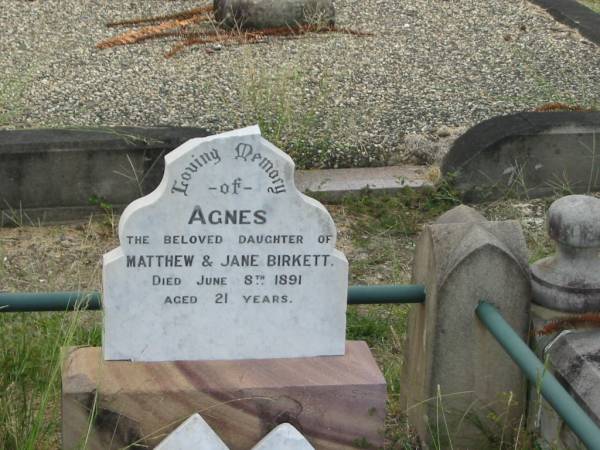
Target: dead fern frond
[202, 10]
[177, 25]
[557, 106]
[591, 320]
[149, 32]
[255, 36]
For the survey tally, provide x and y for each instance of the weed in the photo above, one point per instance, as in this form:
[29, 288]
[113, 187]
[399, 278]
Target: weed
[30, 361]
[13, 217]
[110, 218]
[400, 215]
[561, 185]
[288, 120]
[594, 5]
[289, 104]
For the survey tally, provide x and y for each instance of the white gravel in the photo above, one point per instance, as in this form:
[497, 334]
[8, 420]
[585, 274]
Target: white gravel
[330, 100]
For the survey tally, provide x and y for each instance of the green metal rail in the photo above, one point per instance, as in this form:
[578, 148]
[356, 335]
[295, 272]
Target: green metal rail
[386, 293]
[574, 416]
[50, 301]
[69, 301]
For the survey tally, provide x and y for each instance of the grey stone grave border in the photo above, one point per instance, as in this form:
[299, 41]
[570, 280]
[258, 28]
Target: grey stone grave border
[54, 175]
[575, 15]
[477, 159]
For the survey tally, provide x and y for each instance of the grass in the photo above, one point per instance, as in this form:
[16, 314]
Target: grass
[30, 361]
[594, 5]
[299, 119]
[36, 259]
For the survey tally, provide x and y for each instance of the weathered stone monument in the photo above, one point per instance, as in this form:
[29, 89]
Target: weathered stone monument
[226, 295]
[456, 376]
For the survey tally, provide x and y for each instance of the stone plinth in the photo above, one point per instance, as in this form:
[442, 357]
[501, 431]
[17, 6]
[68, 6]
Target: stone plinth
[455, 373]
[336, 402]
[573, 359]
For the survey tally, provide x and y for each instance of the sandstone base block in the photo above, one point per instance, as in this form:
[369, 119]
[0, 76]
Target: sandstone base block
[336, 402]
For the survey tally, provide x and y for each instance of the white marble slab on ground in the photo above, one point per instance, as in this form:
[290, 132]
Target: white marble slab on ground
[284, 437]
[193, 434]
[226, 259]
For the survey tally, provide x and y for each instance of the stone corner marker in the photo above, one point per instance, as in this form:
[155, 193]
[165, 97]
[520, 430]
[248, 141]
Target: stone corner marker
[452, 364]
[226, 259]
[196, 434]
[193, 434]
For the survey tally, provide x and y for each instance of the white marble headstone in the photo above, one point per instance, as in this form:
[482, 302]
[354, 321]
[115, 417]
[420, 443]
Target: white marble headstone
[284, 437]
[226, 259]
[193, 434]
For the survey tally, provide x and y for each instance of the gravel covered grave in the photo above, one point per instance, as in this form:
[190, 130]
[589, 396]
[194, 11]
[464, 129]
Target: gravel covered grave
[329, 99]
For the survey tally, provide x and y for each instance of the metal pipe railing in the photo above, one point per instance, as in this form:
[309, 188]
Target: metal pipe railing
[566, 407]
[49, 301]
[69, 301]
[386, 293]
[519, 351]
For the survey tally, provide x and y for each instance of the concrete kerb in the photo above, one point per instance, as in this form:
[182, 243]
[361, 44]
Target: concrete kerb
[64, 175]
[575, 15]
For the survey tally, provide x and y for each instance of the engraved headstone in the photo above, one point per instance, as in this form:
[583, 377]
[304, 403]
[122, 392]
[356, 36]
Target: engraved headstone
[193, 434]
[226, 259]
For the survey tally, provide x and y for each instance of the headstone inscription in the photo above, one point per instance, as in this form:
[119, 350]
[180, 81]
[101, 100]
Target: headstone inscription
[226, 259]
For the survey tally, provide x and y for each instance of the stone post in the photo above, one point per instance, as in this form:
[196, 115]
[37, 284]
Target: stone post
[565, 311]
[569, 281]
[459, 385]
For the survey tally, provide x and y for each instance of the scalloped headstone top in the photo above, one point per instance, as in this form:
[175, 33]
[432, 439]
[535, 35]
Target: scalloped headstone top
[226, 259]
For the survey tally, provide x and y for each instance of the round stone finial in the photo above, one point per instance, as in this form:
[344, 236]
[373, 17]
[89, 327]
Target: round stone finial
[569, 281]
[575, 221]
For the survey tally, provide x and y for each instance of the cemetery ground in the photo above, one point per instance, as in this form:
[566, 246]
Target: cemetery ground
[377, 233]
[429, 69]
